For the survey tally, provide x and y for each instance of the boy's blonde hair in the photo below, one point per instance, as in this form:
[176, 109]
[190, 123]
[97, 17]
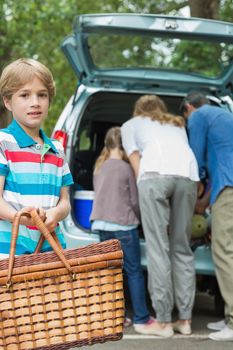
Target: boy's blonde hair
[152, 106]
[20, 72]
[112, 140]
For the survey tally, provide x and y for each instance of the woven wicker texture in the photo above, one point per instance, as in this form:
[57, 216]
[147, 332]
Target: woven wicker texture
[46, 306]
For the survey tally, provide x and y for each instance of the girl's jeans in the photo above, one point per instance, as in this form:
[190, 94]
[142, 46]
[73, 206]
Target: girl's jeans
[132, 267]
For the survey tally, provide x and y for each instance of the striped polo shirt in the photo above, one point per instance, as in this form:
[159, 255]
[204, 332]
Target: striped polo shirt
[34, 176]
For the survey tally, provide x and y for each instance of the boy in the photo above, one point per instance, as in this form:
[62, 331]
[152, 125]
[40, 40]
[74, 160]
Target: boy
[33, 170]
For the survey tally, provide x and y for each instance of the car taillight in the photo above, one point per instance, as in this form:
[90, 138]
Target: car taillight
[61, 136]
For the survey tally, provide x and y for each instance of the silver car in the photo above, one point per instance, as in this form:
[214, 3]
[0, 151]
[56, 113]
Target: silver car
[117, 58]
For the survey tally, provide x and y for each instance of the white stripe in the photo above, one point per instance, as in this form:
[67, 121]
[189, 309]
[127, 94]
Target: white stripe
[31, 200]
[176, 336]
[2, 159]
[7, 137]
[31, 167]
[4, 136]
[27, 167]
[58, 145]
[4, 256]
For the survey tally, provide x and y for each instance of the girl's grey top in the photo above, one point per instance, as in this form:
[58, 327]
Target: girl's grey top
[116, 197]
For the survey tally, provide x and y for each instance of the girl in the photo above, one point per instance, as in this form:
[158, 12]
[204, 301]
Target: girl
[115, 214]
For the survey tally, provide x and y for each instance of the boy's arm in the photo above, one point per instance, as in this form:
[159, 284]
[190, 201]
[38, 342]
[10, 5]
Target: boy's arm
[60, 212]
[7, 212]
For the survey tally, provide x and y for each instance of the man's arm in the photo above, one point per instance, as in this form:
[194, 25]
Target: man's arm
[197, 129]
[202, 203]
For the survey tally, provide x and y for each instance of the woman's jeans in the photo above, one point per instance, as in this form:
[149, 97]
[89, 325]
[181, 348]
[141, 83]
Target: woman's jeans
[132, 267]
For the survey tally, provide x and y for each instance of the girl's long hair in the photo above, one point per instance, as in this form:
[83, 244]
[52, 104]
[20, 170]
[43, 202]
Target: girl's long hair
[153, 107]
[112, 140]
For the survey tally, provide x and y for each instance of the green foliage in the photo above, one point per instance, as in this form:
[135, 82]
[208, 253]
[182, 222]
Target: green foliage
[36, 28]
[203, 58]
[226, 11]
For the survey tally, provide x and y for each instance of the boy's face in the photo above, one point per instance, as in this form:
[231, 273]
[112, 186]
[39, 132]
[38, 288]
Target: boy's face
[29, 105]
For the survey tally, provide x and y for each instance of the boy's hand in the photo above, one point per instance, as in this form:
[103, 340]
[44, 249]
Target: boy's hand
[42, 214]
[51, 219]
[27, 221]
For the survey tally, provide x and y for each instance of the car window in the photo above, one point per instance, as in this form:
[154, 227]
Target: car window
[85, 141]
[206, 58]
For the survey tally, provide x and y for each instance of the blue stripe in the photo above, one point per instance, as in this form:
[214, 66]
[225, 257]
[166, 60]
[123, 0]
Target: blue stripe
[20, 249]
[47, 247]
[26, 178]
[67, 180]
[25, 245]
[33, 189]
[4, 169]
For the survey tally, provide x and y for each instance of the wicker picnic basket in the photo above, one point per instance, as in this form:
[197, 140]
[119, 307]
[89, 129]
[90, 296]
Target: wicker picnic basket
[61, 299]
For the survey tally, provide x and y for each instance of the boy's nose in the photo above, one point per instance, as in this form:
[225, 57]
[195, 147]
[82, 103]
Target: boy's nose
[34, 100]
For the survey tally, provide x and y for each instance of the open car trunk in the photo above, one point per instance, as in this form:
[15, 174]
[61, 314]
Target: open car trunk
[104, 111]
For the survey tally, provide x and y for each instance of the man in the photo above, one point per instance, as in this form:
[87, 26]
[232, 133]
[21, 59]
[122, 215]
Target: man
[210, 131]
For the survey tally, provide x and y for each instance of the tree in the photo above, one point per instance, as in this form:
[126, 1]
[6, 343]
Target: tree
[205, 9]
[4, 54]
[35, 28]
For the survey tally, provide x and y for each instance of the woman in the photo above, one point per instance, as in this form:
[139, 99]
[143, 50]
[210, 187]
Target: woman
[167, 175]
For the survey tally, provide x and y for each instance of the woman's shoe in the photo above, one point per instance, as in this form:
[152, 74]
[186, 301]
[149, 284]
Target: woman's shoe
[183, 327]
[153, 327]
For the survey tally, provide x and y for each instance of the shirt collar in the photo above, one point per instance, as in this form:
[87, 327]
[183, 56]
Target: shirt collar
[24, 140]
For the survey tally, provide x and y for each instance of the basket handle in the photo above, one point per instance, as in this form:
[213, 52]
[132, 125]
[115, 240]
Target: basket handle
[41, 242]
[44, 231]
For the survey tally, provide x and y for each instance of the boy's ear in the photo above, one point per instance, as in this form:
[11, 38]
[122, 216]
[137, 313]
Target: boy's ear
[7, 103]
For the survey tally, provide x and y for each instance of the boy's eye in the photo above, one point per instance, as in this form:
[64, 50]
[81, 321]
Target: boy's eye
[43, 94]
[24, 95]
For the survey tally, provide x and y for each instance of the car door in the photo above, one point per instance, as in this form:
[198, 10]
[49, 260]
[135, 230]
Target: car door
[174, 54]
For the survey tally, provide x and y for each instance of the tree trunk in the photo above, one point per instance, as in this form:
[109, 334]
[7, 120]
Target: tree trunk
[6, 47]
[5, 117]
[204, 8]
